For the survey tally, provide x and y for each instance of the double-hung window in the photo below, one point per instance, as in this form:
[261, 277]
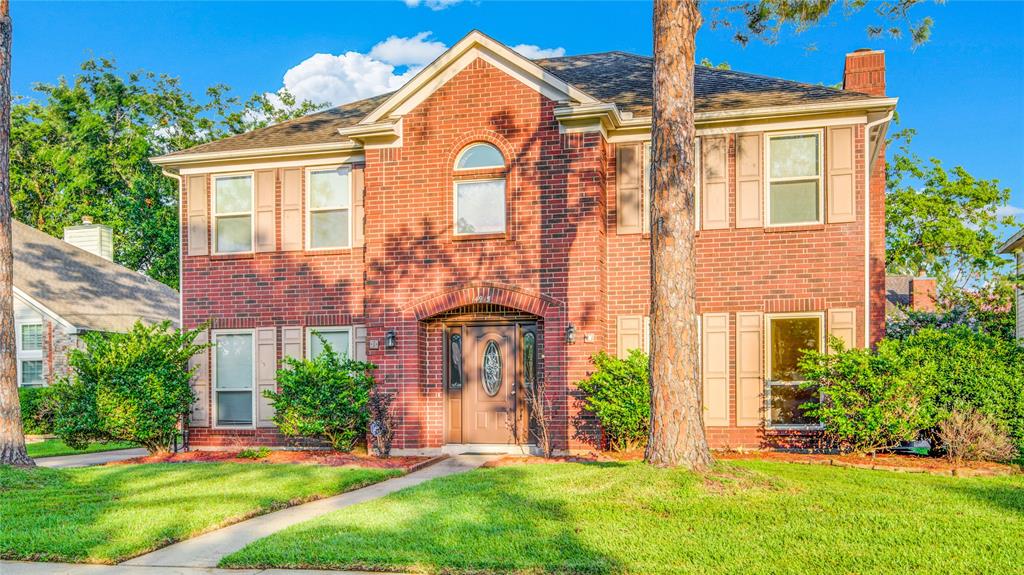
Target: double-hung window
[794, 179]
[787, 337]
[339, 338]
[329, 204]
[30, 354]
[232, 213]
[480, 202]
[233, 377]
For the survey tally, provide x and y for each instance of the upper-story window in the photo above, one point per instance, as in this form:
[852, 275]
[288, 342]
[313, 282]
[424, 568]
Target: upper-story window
[794, 179]
[329, 203]
[232, 213]
[480, 202]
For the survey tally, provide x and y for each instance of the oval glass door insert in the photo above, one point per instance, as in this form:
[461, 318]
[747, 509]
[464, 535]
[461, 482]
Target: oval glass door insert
[492, 369]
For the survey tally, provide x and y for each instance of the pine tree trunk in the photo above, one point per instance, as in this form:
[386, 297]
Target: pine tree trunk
[677, 423]
[12, 438]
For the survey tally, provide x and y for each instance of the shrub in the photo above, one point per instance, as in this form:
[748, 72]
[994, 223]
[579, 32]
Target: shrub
[382, 422]
[967, 435]
[869, 400]
[127, 387]
[254, 453]
[36, 410]
[618, 394]
[324, 397]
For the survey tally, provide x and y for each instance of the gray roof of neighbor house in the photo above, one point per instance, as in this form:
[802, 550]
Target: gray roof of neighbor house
[1016, 242]
[83, 289]
[616, 77]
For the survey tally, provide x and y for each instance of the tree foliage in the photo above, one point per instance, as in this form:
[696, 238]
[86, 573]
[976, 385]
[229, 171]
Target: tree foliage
[82, 148]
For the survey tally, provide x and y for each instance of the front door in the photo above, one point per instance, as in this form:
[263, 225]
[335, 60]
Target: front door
[489, 390]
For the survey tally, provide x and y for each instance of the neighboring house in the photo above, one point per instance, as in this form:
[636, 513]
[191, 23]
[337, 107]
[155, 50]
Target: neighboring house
[486, 227]
[65, 288]
[1015, 247]
[909, 292]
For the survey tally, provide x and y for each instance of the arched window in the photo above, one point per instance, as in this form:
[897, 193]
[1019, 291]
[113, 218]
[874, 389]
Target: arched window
[479, 203]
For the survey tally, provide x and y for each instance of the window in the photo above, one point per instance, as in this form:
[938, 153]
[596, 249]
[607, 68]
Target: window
[233, 377]
[339, 338]
[787, 337]
[232, 213]
[329, 200]
[30, 354]
[479, 204]
[794, 179]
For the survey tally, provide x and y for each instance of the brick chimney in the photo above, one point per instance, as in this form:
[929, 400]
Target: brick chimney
[865, 72]
[93, 238]
[922, 294]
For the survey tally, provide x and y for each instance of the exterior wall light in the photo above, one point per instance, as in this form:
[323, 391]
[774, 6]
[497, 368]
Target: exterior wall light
[390, 339]
[570, 333]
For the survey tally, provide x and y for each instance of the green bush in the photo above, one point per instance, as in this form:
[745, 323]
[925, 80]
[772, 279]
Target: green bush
[254, 453]
[127, 387]
[619, 395]
[324, 397]
[36, 411]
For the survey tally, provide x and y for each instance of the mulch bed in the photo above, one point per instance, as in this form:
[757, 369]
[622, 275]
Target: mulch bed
[328, 458]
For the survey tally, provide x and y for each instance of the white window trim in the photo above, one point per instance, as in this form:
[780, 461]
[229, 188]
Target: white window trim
[310, 209]
[768, 180]
[27, 355]
[455, 206]
[768, 383]
[323, 328]
[251, 213]
[468, 147]
[214, 388]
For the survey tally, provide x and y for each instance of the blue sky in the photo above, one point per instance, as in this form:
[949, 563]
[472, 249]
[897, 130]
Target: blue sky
[963, 91]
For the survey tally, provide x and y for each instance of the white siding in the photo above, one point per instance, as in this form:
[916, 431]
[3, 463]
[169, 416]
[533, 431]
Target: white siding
[1020, 298]
[94, 238]
[24, 313]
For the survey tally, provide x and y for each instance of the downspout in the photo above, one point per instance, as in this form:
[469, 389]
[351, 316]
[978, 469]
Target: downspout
[869, 158]
[181, 304]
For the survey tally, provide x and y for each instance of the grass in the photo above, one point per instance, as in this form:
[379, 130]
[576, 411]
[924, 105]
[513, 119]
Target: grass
[110, 513]
[749, 517]
[55, 447]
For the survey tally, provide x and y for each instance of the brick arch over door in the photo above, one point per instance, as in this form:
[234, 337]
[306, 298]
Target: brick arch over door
[506, 296]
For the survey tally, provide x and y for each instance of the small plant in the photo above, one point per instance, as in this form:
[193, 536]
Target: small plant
[254, 453]
[536, 399]
[324, 397]
[968, 435]
[618, 394]
[382, 422]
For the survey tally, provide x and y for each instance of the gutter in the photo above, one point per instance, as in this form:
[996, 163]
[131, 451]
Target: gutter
[175, 160]
[181, 248]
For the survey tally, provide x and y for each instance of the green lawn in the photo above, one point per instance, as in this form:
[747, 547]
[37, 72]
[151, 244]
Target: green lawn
[54, 447]
[110, 513]
[751, 517]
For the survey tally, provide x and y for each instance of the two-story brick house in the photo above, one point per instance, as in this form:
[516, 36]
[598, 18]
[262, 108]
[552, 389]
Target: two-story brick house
[486, 226]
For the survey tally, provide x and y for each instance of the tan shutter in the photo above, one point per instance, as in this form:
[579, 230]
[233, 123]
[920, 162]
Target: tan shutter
[842, 323]
[200, 362]
[358, 190]
[647, 334]
[266, 374]
[266, 200]
[629, 175]
[291, 209]
[749, 191]
[749, 368]
[359, 342]
[840, 193]
[630, 334]
[198, 216]
[715, 367]
[714, 178]
[291, 342]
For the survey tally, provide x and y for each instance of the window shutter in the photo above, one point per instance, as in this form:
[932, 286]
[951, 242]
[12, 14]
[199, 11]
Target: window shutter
[715, 367]
[198, 216]
[291, 342]
[749, 368]
[359, 342]
[749, 191]
[647, 334]
[714, 178]
[629, 175]
[630, 334]
[291, 209]
[358, 189]
[842, 323]
[266, 374]
[841, 195]
[200, 363]
[266, 200]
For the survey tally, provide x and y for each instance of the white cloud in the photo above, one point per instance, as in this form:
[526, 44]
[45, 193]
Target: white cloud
[417, 50]
[534, 52]
[432, 4]
[1003, 211]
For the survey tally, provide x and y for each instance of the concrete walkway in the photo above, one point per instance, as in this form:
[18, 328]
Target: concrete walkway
[87, 459]
[207, 550]
[22, 568]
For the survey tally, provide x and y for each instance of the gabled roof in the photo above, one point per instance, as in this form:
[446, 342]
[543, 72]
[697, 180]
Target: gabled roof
[1016, 242]
[616, 78]
[83, 290]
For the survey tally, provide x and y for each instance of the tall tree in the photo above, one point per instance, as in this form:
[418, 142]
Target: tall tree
[677, 429]
[12, 437]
